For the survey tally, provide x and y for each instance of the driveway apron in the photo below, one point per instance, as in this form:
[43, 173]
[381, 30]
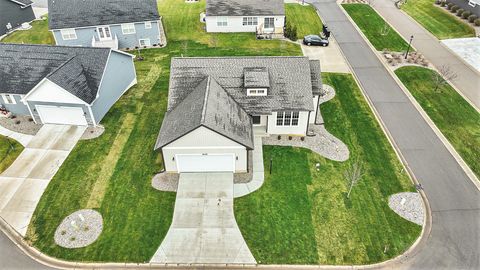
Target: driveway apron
[24, 182]
[203, 228]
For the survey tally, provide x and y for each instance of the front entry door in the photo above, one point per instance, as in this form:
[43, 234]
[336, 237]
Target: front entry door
[104, 33]
[269, 23]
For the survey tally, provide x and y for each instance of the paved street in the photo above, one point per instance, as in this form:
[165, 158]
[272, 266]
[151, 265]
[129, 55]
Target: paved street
[468, 81]
[455, 201]
[204, 229]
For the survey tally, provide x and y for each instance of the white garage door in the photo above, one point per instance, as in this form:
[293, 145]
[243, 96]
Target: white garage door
[61, 115]
[205, 163]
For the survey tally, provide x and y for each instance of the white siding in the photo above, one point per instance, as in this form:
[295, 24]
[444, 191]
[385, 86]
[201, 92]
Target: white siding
[201, 141]
[290, 130]
[47, 91]
[314, 113]
[235, 24]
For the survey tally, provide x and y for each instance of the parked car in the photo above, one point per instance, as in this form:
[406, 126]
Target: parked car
[315, 40]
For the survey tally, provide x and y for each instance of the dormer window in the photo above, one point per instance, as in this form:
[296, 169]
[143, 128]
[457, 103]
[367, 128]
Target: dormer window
[256, 91]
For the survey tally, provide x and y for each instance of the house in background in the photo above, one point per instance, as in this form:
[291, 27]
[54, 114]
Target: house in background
[116, 24]
[216, 104]
[470, 5]
[63, 85]
[257, 16]
[13, 13]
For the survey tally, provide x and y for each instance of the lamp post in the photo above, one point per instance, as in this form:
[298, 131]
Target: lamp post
[408, 48]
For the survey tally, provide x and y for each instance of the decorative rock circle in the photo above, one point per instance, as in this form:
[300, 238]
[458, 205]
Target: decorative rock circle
[79, 229]
[408, 205]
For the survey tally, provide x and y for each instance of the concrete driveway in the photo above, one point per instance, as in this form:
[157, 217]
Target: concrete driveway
[24, 182]
[331, 57]
[204, 229]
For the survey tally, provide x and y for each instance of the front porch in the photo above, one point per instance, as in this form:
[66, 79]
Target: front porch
[106, 43]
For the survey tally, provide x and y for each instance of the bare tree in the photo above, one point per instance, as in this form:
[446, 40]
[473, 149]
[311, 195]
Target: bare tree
[385, 29]
[214, 41]
[444, 75]
[185, 46]
[353, 174]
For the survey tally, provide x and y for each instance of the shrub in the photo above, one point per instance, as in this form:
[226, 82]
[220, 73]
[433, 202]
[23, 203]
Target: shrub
[465, 14]
[454, 8]
[291, 32]
[477, 22]
[437, 2]
[443, 3]
[460, 11]
[450, 5]
[472, 18]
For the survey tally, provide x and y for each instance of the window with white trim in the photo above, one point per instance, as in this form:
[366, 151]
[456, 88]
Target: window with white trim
[144, 42]
[8, 99]
[148, 25]
[250, 21]
[257, 92]
[128, 28]
[68, 34]
[222, 21]
[269, 23]
[287, 118]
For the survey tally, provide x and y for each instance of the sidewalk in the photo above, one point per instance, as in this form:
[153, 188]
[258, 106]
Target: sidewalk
[468, 81]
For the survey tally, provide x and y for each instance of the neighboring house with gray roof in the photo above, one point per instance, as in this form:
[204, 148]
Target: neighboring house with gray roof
[260, 16]
[63, 85]
[116, 24]
[215, 104]
[13, 13]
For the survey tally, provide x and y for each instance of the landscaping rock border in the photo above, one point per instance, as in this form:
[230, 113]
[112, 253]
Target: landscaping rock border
[166, 181]
[92, 132]
[408, 205]
[79, 229]
[21, 124]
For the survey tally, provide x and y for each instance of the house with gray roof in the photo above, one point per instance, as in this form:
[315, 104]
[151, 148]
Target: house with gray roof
[215, 104]
[116, 24]
[258, 16]
[13, 13]
[61, 84]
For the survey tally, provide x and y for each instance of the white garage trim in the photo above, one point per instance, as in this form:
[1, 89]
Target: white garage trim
[61, 115]
[218, 162]
[203, 147]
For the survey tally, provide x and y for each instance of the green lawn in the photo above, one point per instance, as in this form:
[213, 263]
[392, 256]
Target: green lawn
[379, 33]
[305, 18]
[440, 23]
[301, 215]
[9, 151]
[454, 116]
[38, 34]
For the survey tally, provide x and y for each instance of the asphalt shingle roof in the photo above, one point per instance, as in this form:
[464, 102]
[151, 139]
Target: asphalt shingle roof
[81, 13]
[315, 72]
[289, 78]
[244, 7]
[208, 105]
[256, 77]
[78, 70]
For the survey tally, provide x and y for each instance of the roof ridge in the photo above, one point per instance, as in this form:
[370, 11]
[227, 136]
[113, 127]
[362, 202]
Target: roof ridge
[54, 46]
[237, 57]
[59, 67]
[205, 100]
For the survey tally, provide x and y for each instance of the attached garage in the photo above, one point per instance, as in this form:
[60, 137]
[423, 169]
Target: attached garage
[61, 115]
[205, 162]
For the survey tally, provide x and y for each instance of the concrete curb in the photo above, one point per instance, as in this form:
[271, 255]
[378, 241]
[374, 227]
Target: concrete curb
[424, 115]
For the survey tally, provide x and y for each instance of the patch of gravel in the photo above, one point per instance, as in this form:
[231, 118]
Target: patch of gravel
[166, 181]
[79, 229]
[21, 124]
[408, 205]
[92, 132]
[319, 140]
[246, 177]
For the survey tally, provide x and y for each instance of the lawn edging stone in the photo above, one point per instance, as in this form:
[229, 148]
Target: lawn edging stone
[79, 229]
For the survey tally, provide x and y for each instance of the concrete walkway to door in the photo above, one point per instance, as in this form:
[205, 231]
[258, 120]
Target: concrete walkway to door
[24, 182]
[204, 229]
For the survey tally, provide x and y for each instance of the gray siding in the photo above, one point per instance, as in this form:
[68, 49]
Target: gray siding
[19, 108]
[37, 117]
[14, 14]
[85, 35]
[119, 74]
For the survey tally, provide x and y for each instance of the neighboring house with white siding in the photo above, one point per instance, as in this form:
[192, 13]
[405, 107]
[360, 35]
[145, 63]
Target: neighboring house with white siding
[63, 85]
[258, 16]
[215, 104]
[116, 24]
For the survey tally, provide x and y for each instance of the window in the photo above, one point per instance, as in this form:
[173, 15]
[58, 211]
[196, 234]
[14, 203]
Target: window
[144, 42]
[269, 23]
[148, 25]
[250, 21]
[256, 119]
[257, 92]
[68, 34]
[9, 99]
[104, 33]
[128, 28]
[222, 21]
[287, 118]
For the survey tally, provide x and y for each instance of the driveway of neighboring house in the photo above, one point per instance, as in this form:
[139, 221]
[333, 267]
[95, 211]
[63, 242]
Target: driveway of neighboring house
[204, 229]
[331, 58]
[24, 182]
